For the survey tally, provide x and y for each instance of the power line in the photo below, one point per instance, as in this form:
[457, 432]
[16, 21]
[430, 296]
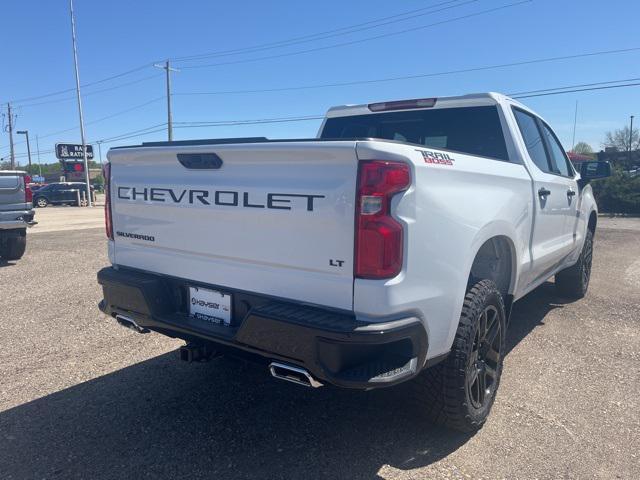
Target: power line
[575, 86]
[123, 136]
[220, 123]
[97, 120]
[415, 76]
[579, 90]
[84, 95]
[89, 84]
[550, 91]
[409, 15]
[130, 134]
[281, 43]
[367, 39]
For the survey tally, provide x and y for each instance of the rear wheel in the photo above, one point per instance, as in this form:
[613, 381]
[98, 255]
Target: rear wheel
[460, 391]
[573, 282]
[13, 247]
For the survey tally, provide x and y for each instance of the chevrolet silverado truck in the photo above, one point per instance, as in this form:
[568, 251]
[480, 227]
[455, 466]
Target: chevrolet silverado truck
[16, 213]
[389, 249]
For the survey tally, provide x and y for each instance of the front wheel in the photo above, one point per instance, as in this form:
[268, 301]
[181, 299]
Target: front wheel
[41, 202]
[573, 282]
[459, 392]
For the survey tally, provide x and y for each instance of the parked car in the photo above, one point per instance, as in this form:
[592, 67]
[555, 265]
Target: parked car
[16, 214]
[36, 186]
[61, 193]
[389, 249]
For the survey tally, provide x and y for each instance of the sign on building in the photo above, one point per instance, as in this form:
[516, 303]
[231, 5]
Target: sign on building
[72, 151]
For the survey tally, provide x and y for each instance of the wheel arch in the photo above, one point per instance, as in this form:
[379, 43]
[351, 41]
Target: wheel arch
[496, 258]
[593, 221]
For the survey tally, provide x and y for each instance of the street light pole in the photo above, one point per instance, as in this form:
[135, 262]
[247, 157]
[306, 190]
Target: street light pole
[26, 133]
[75, 62]
[168, 71]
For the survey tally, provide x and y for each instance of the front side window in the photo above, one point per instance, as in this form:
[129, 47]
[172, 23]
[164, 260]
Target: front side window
[532, 139]
[471, 130]
[559, 161]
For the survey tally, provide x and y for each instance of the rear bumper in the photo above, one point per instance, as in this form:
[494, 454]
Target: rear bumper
[16, 219]
[332, 345]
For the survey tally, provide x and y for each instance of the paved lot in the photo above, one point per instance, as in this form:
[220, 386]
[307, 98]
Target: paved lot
[81, 397]
[59, 218]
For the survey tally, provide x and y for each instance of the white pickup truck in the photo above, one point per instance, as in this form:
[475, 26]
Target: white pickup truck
[390, 248]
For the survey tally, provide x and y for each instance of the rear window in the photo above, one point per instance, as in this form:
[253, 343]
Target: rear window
[472, 130]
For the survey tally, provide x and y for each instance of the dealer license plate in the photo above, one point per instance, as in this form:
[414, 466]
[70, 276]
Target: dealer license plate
[210, 305]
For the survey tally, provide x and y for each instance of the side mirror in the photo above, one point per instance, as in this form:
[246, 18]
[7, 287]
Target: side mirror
[594, 170]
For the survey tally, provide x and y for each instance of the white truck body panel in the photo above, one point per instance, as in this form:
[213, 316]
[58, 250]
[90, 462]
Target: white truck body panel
[447, 219]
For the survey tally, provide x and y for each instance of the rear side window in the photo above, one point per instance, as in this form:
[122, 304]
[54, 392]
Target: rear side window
[559, 161]
[472, 130]
[532, 139]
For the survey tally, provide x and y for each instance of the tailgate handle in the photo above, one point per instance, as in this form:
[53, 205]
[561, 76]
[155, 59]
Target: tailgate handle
[200, 161]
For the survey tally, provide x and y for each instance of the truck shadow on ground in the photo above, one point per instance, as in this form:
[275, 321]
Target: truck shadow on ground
[224, 419]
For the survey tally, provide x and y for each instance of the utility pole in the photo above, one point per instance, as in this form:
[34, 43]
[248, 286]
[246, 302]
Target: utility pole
[575, 121]
[12, 154]
[26, 134]
[630, 137]
[167, 68]
[75, 62]
[38, 150]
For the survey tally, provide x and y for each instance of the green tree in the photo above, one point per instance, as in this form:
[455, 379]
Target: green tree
[619, 193]
[583, 148]
[620, 139]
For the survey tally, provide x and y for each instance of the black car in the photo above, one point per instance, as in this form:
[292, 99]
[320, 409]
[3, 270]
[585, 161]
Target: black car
[59, 194]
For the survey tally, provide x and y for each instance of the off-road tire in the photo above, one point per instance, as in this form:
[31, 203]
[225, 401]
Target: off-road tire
[444, 390]
[573, 282]
[13, 247]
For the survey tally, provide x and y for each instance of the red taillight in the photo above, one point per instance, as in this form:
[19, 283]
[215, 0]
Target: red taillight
[108, 221]
[28, 193]
[379, 236]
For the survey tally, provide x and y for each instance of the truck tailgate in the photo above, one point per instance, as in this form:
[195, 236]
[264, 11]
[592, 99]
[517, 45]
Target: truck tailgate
[12, 187]
[271, 218]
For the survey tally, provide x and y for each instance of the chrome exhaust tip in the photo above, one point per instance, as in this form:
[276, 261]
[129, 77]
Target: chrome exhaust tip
[131, 324]
[293, 374]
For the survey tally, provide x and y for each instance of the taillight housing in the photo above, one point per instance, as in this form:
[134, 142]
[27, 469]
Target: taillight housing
[28, 193]
[108, 221]
[379, 236]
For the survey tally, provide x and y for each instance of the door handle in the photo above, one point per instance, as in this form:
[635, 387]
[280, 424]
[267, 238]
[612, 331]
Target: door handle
[543, 192]
[571, 193]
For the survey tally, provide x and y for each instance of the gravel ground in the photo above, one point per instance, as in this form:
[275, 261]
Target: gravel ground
[81, 397]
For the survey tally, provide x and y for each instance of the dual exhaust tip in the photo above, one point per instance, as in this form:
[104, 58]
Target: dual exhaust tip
[292, 374]
[131, 324]
[199, 353]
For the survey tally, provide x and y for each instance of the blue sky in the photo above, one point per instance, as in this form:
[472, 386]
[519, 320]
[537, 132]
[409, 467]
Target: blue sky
[117, 36]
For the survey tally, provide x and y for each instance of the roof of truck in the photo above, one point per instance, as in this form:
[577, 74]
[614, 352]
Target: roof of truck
[472, 99]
